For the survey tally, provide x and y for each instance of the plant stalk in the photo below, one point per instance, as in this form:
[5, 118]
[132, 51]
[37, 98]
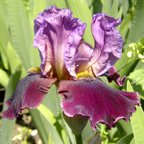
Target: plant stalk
[78, 139]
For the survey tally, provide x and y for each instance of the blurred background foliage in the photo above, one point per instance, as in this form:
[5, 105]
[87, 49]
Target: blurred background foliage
[17, 55]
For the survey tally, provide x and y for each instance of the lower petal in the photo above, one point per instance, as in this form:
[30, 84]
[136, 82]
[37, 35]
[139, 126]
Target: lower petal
[92, 98]
[28, 94]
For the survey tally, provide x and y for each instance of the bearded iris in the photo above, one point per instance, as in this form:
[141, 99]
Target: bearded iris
[75, 67]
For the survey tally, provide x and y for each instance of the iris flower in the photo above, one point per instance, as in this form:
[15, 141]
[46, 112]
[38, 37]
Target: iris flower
[75, 67]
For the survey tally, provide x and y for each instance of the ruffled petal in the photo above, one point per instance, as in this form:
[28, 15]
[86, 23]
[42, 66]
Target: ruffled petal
[108, 43]
[79, 60]
[92, 98]
[28, 94]
[57, 35]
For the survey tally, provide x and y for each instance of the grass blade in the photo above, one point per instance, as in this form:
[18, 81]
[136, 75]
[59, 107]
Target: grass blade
[20, 31]
[137, 30]
[6, 130]
[137, 122]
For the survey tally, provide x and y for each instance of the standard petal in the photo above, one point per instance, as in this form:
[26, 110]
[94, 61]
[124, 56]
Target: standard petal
[57, 35]
[108, 43]
[28, 94]
[79, 60]
[94, 99]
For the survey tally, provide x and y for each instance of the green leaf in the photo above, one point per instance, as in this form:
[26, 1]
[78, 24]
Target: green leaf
[95, 139]
[45, 125]
[137, 122]
[126, 139]
[37, 7]
[129, 58]
[60, 3]
[4, 61]
[111, 8]
[125, 5]
[124, 27]
[124, 127]
[137, 30]
[114, 8]
[132, 141]
[52, 101]
[20, 31]
[89, 2]
[45, 118]
[88, 132]
[119, 14]
[96, 6]
[12, 57]
[40, 125]
[7, 128]
[137, 78]
[106, 6]
[47, 114]
[81, 10]
[4, 78]
[4, 35]
[68, 131]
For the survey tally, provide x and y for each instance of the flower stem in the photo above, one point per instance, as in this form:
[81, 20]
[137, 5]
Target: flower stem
[78, 139]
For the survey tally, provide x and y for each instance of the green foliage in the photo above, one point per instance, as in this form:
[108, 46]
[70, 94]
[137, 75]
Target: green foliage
[126, 139]
[6, 130]
[137, 79]
[84, 14]
[137, 122]
[4, 78]
[137, 32]
[16, 38]
[20, 31]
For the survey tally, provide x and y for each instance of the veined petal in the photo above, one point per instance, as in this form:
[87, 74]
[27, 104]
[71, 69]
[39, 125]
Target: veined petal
[108, 43]
[92, 98]
[79, 59]
[28, 94]
[57, 35]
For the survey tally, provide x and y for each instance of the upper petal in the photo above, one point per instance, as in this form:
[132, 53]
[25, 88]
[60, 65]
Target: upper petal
[96, 100]
[108, 43]
[58, 35]
[28, 94]
[79, 60]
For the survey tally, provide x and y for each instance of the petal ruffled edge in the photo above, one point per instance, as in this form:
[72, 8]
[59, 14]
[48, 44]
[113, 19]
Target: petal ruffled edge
[29, 93]
[108, 43]
[79, 60]
[58, 35]
[92, 98]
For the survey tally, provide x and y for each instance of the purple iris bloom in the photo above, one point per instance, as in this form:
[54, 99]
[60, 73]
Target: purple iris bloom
[75, 67]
